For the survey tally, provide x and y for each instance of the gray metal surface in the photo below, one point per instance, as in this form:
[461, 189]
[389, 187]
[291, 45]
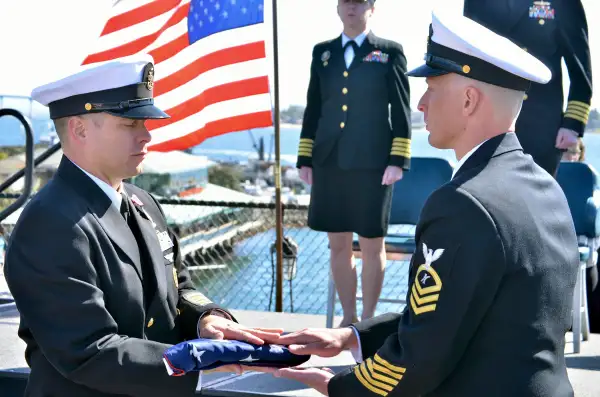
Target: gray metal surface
[584, 368]
[255, 384]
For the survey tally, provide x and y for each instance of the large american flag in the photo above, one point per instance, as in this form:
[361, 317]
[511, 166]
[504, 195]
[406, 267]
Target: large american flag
[211, 71]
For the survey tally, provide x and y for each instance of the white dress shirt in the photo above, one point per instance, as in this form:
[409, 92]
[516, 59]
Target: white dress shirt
[349, 53]
[469, 154]
[464, 159]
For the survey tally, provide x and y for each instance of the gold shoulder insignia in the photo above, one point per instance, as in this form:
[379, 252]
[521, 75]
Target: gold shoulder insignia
[425, 289]
[196, 298]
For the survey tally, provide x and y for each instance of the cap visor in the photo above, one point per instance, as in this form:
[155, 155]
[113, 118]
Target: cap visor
[426, 71]
[141, 112]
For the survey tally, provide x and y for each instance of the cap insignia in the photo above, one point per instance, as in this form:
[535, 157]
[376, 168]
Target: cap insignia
[149, 76]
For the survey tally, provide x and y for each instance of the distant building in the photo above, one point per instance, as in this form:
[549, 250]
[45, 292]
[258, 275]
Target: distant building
[174, 174]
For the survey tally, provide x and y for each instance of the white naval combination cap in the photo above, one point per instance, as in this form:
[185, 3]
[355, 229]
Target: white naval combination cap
[122, 87]
[457, 44]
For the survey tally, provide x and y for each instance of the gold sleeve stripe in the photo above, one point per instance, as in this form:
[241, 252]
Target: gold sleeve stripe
[376, 375]
[579, 104]
[424, 299]
[400, 147]
[384, 370]
[367, 375]
[579, 111]
[305, 147]
[577, 116]
[403, 153]
[366, 384]
[389, 366]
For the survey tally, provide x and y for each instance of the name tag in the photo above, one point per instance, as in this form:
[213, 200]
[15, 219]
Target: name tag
[164, 240]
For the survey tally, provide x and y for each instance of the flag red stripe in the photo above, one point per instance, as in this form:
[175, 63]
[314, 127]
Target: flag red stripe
[215, 128]
[138, 15]
[224, 92]
[170, 49]
[138, 45]
[214, 60]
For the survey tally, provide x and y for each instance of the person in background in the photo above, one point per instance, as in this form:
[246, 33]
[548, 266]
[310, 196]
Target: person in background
[575, 153]
[552, 32]
[492, 280]
[354, 145]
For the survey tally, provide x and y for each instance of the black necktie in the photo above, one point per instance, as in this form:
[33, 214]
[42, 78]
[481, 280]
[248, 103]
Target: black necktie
[351, 43]
[125, 207]
[147, 278]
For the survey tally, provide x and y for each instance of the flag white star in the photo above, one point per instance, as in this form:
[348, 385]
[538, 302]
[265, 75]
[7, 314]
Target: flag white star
[196, 353]
[249, 359]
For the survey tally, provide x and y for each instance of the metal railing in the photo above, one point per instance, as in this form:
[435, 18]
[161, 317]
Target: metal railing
[228, 248]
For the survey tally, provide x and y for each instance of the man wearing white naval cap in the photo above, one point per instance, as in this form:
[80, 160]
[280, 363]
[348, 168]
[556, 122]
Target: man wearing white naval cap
[96, 274]
[491, 283]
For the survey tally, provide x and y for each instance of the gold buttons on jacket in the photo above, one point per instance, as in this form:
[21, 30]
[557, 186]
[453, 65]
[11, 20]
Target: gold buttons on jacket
[541, 22]
[525, 49]
[151, 322]
[345, 73]
[525, 97]
[342, 124]
[345, 108]
[344, 90]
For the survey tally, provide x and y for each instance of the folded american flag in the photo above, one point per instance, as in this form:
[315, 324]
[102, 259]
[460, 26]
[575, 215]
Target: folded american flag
[205, 354]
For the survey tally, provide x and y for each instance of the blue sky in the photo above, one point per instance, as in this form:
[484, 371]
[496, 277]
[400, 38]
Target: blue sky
[41, 39]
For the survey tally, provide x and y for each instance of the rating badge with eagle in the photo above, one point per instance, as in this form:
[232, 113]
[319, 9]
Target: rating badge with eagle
[427, 284]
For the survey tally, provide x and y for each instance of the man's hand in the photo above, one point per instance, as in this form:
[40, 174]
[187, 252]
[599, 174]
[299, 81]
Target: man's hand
[324, 342]
[240, 369]
[316, 378]
[391, 175]
[306, 174]
[566, 138]
[216, 327]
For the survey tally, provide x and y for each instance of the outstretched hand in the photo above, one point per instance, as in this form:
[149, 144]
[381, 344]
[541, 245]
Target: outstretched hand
[216, 327]
[316, 378]
[324, 342]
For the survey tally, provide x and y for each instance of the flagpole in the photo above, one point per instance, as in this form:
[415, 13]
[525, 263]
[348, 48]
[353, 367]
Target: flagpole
[277, 171]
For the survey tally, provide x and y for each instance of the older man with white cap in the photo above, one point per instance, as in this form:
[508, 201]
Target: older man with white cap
[96, 274]
[491, 284]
